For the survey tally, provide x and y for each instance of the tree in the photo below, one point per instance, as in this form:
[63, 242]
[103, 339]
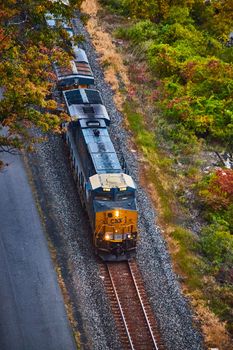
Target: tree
[27, 49]
[217, 244]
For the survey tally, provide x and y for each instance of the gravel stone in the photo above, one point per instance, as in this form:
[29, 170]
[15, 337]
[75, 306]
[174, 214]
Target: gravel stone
[68, 229]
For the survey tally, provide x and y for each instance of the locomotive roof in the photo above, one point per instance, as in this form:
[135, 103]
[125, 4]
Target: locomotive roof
[80, 54]
[74, 68]
[78, 71]
[108, 181]
[101, 150]
[82, 96]
[93, 111]
[85, 103]
[52, 21]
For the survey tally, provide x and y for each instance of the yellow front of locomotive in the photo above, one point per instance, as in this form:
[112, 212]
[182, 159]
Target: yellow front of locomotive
[115, 216]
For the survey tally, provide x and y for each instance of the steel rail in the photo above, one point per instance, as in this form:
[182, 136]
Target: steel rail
[143, 308]
[122, 313]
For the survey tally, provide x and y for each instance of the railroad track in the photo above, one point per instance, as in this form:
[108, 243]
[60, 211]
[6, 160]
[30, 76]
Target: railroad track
[134, 317]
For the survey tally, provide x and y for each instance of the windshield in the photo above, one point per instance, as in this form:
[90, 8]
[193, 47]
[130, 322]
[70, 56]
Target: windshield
[103, 197]
[124, 196]
[108, 196]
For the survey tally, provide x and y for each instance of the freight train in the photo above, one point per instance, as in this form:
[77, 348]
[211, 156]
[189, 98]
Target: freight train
[105, 188]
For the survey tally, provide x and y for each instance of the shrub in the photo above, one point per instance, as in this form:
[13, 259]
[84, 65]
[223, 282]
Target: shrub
[140, 32]
[217, 244]
[163, 60]
[178, 14]
[118, 6]
[196, 84]
[217, 191]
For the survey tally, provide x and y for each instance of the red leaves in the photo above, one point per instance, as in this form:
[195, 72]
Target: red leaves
[132, 92]
[188, 71]
[219, 192]
[213, 64]
[155, 96]
[139, 73]
[4, 40]
[224, 181]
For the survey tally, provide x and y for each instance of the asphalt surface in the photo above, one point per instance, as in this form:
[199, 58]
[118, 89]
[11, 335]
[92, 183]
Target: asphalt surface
[32, 313]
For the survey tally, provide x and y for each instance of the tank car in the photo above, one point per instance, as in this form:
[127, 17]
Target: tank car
[106, 191]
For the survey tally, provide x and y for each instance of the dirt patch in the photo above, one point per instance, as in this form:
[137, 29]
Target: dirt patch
[116, 73]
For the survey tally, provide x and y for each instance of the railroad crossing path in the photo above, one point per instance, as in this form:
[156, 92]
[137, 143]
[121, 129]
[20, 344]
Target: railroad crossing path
[32, 313]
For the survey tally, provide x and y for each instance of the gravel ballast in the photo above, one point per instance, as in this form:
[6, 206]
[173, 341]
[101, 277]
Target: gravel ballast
[68, 229]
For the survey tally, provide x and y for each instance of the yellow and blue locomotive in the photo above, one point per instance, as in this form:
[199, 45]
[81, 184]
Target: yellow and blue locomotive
[106, 191]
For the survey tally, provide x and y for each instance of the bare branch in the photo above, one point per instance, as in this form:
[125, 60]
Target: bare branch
[9, 149]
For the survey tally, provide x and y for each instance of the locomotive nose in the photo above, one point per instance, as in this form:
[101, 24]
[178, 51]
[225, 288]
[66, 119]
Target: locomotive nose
[115, 217]
[117, 224]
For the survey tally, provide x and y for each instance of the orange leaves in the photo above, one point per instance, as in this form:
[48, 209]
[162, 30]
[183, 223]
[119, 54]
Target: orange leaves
[51, 104]
[5, 40]
[224, 180]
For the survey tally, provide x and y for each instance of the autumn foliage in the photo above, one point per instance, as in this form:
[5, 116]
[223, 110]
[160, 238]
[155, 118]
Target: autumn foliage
[217, 191]
[27, 49]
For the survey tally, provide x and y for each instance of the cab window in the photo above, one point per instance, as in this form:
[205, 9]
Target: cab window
[103, 197]
[124, 196]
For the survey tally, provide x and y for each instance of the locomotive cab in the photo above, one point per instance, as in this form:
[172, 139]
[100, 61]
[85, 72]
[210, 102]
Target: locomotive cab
[115, 216]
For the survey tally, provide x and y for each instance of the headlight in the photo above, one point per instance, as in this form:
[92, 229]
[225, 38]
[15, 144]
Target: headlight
[107, 237]
[128, 235]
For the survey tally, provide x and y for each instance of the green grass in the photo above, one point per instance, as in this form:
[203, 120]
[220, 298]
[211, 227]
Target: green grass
[144, 138]
[146, 141]
[191, 264]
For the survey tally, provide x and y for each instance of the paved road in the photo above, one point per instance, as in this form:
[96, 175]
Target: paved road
[32, 314]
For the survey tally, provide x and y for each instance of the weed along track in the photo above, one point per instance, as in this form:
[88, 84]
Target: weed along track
[133, 315]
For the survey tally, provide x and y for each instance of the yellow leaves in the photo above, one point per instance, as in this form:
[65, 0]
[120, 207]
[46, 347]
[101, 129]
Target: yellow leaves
[40, 9]
[10, 120]
[51, 104]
